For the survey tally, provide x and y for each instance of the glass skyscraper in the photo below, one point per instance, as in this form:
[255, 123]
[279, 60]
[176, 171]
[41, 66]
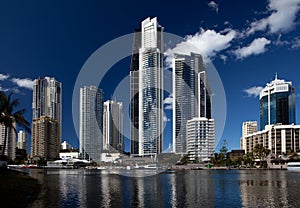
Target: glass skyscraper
[147, 89]
[91, 123]
[277, 103]
[113, 138]
[192, 96]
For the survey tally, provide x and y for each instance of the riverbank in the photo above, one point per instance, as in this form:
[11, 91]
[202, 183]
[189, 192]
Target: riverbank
[17, 189]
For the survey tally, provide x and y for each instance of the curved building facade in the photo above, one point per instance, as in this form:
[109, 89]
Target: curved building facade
[277, 103]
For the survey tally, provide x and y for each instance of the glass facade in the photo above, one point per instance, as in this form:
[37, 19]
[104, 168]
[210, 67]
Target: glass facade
[277, 105]
[192, 96]
[146, 89]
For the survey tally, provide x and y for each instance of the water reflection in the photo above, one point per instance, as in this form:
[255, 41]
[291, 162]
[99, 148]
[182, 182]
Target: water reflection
[197, 188]
[265, 187]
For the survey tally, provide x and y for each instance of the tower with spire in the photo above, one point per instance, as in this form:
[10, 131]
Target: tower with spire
[277, 103]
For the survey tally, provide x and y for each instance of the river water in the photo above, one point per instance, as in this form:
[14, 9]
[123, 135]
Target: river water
[188, 188]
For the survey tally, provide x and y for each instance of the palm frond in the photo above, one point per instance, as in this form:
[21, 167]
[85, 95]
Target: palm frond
[15, 103]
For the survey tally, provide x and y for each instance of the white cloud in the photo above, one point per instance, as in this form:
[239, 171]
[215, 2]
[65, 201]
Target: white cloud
[253, 91]
[214, 6]
[281, 19]
[296, 43]
[205, 42]
[3, 89]
[223, 57]
[257, 46]
[3, 77]
[25, 83]
[280, 42]
[166, 119]
[168, 102]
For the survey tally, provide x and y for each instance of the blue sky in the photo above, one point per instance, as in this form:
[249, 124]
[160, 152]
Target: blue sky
[247, 41]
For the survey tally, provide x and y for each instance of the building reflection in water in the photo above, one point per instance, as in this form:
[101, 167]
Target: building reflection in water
[195, 188]
[49, 196]
[264, 187]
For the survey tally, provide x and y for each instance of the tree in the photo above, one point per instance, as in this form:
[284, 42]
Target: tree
[223, 151]
[8, 117]
[260, 151]
[184, 160]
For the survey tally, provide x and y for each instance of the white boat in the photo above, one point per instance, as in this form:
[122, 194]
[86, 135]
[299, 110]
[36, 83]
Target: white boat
[295, 166]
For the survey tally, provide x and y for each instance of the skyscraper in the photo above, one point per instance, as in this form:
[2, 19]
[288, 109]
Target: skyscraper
[91, 123]
[22, 140]
[134, 93]
[10, 149]
[191, 93]
[113, 138]
[277, 103]
[45, 134]
[46, 118]
[200, 138]
[147, 75]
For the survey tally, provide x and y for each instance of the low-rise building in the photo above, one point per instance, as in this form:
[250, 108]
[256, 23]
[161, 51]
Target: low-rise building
[200, 139]
[69, 155]
[278, 138]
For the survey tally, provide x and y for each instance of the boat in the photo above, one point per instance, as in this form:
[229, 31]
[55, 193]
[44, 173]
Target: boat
[69, 163]
[294, 166]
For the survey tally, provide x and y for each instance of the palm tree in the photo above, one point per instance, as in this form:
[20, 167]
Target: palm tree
[8, 117]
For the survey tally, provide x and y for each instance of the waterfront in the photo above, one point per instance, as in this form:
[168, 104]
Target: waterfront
[189, 188]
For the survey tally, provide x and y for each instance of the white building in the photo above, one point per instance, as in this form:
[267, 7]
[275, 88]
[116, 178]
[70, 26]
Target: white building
[22, 140]
[46, 107]
[278, 138]
[10, 149]
[91, 123]
[113, 126]
[151, 88]
[111, 157]
[248, 127]
[200, 139]
[65, 145]
[69, 155]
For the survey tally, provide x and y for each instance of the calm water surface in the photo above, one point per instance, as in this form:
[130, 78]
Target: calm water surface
[195, 188]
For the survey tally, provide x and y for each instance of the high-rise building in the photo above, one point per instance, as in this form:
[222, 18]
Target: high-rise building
[91, 123]
[277, 103]
[22, 140]
[10, 147]
[45, 138]
[248, 127]
[200, 139]
[191, 94]
[134, 93]
[113, 138]
[147, 89]
[46, 113]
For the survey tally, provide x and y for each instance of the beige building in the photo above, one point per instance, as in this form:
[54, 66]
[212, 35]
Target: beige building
[45, 138]
[22, 140]
[278, 138]
[248, 127]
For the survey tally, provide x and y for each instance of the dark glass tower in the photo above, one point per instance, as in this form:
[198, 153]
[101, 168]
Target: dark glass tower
[192, 96]
[277, 103]
[134, 93]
